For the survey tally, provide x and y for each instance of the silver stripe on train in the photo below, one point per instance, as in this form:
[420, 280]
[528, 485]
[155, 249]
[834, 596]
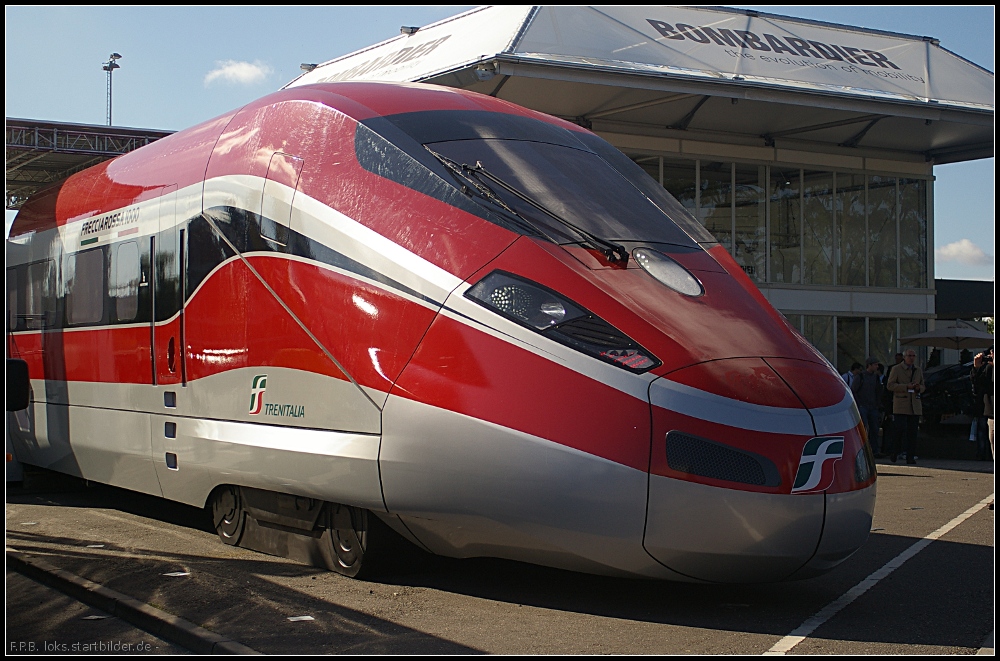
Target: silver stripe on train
[706, 406]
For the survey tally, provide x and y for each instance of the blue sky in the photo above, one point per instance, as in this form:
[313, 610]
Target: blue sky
[182, 65]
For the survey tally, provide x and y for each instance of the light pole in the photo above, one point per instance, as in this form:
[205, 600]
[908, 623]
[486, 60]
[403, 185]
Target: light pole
[110, 66]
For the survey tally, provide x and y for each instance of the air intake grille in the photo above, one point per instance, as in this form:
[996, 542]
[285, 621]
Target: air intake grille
[697, 456]
[594, 331]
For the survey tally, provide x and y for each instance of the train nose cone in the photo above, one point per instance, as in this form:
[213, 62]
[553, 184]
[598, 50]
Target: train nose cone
[730, 536]
[850, 494]
[848, 522]
[729, 436]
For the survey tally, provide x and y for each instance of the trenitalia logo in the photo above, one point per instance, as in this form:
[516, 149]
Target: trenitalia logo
[815, 474]
[257, 393]
[257, 405]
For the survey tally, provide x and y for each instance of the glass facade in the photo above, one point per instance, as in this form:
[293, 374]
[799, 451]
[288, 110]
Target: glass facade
[715, 201]
[750, 211]
[882, 241]
[909, 327]
[807, 226]
[848, 340]
[818, 329]
[882, 340]
[912, 233]
[785, 236]
[851, 346]
[849, 210]
[815, 227]
[680, 179]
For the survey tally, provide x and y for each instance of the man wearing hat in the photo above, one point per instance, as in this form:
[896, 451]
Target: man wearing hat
[906, 381]
[867, 390]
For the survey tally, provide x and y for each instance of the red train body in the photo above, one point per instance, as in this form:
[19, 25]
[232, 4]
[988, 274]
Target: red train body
[480, 324]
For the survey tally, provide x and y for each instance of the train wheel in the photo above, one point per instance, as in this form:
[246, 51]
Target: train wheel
[228, 514]
[344, 541]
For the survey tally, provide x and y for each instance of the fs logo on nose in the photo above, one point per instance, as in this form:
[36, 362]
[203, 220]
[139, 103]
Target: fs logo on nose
[257, 393]
[816, 465]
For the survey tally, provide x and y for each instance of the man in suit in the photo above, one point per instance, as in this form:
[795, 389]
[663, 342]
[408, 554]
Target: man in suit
[906, 381]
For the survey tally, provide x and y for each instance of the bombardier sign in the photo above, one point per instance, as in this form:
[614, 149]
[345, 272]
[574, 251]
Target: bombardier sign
[446, 45]
[688, 43]
[383, 63]
[769, 43]
[718, 44]
[773, 50]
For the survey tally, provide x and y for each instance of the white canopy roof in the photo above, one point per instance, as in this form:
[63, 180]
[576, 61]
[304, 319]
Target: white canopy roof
[670, 68]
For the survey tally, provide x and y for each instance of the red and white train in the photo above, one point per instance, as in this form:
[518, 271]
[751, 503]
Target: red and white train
[481, 325]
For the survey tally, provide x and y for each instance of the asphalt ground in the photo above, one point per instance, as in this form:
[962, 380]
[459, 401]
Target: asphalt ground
[902, 593]
[60, 624]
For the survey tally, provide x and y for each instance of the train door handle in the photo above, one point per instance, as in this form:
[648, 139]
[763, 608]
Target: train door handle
[171, 355]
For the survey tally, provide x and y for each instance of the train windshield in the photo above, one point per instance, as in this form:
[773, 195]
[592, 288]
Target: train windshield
[569, 186]
[570, 195]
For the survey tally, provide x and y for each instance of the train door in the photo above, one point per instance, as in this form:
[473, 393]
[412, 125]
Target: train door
[276, 202]
[169, 362]
[168, 298]
[297, 335]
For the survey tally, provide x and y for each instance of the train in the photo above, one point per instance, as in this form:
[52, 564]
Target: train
[356, 307]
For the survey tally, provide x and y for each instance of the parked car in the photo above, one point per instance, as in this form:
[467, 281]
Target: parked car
[949, 392]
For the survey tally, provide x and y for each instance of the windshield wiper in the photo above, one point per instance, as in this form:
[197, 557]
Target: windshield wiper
[613, 252]
[472, 186]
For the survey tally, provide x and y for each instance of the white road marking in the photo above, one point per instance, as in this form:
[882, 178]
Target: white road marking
[787, 643]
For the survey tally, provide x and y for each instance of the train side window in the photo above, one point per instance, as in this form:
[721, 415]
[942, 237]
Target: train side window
[85, 286]
[39, 300]
[126, 274]
[11, 299]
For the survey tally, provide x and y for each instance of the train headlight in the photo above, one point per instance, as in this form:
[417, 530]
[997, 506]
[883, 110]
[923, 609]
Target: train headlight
[524, 302]
[553, 315]
[668, 271]
[864, 464]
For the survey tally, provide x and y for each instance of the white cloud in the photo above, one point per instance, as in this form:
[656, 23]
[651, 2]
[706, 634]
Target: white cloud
[242, 73]
[964, 252]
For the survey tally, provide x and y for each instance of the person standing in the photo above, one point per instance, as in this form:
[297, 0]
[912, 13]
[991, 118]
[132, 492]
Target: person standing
[982, 385]
[867, 390]
[849, 376]
[887, 421]
[906, 381]
[983, 388]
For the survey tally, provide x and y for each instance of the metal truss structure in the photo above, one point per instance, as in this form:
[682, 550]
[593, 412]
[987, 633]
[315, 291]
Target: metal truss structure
[39, 153]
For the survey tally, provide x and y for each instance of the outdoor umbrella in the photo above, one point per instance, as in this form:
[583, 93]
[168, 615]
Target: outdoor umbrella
[951, 337]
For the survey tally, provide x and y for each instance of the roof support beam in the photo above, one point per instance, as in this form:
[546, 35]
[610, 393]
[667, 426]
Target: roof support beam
[856, 138]
[769, 137]
[638, 106]
[13, 165]
[41, 152]
[496, 90]
[658, 82]
[686, 120]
